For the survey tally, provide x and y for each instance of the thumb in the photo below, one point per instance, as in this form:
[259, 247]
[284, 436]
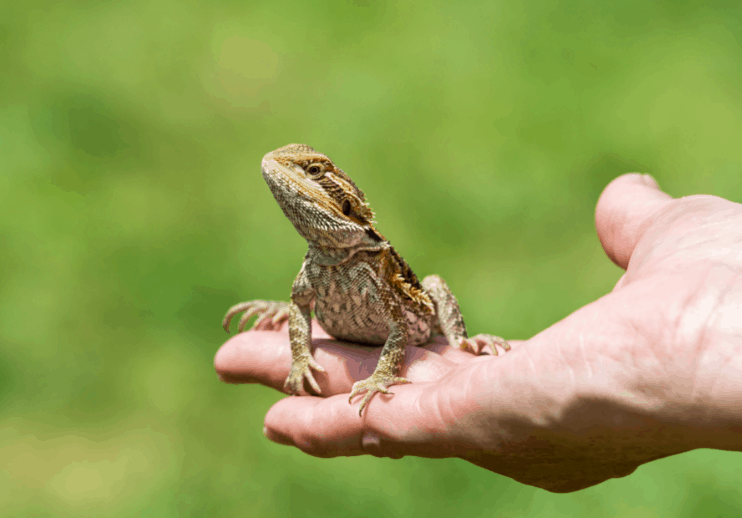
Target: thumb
[625, 210]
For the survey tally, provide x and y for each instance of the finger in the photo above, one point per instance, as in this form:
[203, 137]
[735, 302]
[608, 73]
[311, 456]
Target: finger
[265, 357]
[435, 419]
[624, 212]
[392, 426]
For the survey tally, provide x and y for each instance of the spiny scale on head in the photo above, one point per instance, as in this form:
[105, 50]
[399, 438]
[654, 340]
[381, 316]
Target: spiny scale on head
[338, 185]
[293, 149]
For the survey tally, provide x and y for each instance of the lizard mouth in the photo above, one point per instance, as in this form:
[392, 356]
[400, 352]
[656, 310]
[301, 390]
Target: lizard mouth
[304, 202]
[289, 177]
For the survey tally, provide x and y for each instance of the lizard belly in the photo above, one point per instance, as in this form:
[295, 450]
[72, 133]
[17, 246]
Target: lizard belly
[349, 304]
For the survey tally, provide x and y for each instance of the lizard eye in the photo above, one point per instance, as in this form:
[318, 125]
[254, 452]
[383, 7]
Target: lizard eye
[346, 207]
[315, 170]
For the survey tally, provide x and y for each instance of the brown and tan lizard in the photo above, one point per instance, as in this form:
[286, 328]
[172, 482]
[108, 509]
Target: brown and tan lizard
[360, 288]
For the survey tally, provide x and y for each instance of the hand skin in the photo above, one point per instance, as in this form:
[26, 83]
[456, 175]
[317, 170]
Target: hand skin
[652, 369]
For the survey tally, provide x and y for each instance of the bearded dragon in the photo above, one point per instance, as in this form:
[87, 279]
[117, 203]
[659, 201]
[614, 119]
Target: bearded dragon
[360, 288]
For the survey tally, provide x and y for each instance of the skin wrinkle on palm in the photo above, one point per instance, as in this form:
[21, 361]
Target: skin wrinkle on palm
[647, 361]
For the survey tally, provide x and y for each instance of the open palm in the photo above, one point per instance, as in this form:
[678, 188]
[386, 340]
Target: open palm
[651, 369]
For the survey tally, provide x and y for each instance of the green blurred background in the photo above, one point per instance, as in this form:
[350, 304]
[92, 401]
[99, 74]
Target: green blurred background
[133, 213]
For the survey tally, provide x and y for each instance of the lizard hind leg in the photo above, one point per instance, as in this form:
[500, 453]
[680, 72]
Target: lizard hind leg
[271, 315]
[479, 342]
[451, 322]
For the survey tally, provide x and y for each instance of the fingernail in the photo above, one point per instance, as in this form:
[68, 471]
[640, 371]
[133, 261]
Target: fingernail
[371, 443]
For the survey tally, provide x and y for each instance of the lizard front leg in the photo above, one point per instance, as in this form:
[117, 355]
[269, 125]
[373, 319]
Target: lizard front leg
[300, 336]
[452, 323]
[390, 362]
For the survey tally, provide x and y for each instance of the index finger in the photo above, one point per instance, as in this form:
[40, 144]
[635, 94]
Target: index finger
[265, 357]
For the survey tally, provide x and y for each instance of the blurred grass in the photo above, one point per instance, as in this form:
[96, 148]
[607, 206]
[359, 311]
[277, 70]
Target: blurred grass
[132, 214]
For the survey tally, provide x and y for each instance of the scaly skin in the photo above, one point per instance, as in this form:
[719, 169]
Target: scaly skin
[360, 288]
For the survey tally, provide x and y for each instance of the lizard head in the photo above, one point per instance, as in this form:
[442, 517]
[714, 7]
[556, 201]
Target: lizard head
[322, 202]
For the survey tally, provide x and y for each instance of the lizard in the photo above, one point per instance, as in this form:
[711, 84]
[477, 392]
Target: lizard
[360, 288]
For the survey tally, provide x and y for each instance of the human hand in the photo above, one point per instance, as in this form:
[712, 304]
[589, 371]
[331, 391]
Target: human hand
[651, 369]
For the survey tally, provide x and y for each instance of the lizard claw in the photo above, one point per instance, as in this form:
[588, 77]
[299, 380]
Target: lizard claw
[376, 383]
[301, 369]
[272, 314]
[478, 343]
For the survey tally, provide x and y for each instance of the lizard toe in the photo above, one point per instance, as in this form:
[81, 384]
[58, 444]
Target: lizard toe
[491, 341]
[371, 386]
[300, 371]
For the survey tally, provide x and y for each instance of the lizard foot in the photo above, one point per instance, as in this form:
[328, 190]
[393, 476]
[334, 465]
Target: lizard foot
[477, 344]
[271, 315]
[301, 368]
[376, 383]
